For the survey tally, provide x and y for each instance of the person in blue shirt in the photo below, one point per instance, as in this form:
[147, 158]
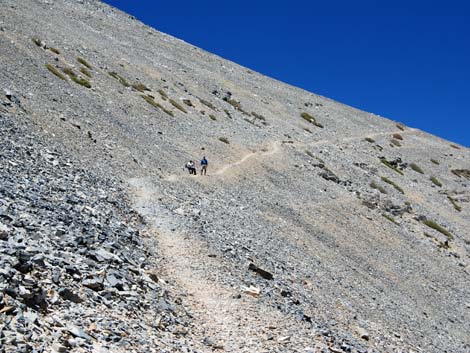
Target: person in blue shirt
[203, 166]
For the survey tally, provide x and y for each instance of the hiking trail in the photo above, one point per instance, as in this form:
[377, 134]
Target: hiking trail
[222, 313]
[275, 148]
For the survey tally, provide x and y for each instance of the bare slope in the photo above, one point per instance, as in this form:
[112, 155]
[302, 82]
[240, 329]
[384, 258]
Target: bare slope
[362, 222]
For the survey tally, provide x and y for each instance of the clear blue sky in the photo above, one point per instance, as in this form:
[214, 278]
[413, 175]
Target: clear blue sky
[405, 60]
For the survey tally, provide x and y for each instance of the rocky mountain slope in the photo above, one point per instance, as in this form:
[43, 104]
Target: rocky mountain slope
[319, 227]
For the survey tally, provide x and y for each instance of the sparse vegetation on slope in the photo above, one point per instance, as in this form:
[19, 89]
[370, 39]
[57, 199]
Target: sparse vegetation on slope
[207, 104]
[319, 225]
[391, 166]
[373, 185]
[140, 87]
[228, 113]
[85, 71]
[388, 181]
[237, 105]
[84, 63]
[55, 71]
[177, 105]
[188, 102]
[390, 218]
[37, 41]
[120, 79]
[400, 126]
[436, 181]
[73, 76]
[461, 173]
[163, 94]
[258, 116]
[416, 168]
[157, 105]
[437, 227]
[311, 119]
[454, 203]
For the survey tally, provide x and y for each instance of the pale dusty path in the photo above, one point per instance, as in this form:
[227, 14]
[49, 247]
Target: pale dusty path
[225, 316]
[275, 148]
[272, 149]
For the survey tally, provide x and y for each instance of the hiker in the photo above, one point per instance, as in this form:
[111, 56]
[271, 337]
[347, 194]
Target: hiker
[191, 168]
[204, 166]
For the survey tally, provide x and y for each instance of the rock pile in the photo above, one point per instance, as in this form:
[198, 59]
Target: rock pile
[75, 272]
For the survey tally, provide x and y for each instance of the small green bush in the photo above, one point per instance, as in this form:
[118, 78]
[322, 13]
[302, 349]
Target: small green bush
[121, 79]
[37, 41]
[224, 140]
[207, 104]
[177, 105]
[388, 164]
[152, 102]
[140, 87]
[436, 181]
[401, 127]
[373, 185]
[237, 105]
[212, 117]
[454, 203]
[397, 136]
[388, 181]
[258, 116]
[188, 102]
[55, 50]
[461, 173]
[437, 227]
[84, 63]
[390, 218]
[75, 78]
[228, 113]
[81, 81]
[416, 168]
[444, 245]
[311, 119]
[308, 117]
[68, 71]
[369, 139]
[85, 71]
[395, 143]
[55, 71]
[163, 94]
[435, 162]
